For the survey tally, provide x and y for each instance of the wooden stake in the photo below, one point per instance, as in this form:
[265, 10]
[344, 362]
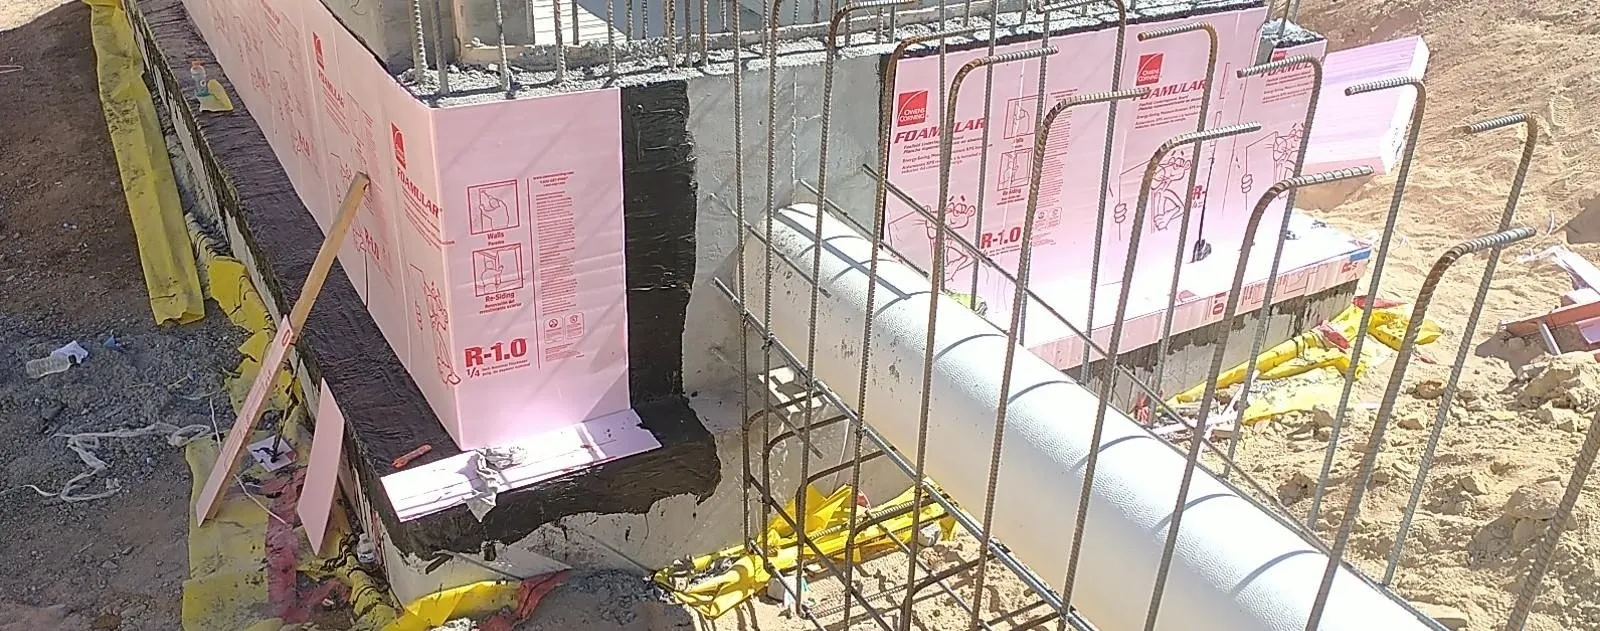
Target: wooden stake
[250, 412]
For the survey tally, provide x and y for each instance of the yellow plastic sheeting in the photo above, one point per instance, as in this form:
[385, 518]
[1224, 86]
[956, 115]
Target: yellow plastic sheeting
[216, 98]
[228, 565]
[470, 601]
[1318, 360]
[147, 181]
[743, 574]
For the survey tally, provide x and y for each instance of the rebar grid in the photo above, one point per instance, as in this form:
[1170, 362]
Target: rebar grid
[874, 21]
[560, 36]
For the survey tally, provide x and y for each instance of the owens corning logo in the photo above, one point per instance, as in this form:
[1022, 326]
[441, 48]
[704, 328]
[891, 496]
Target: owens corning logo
[399, 144]
[912, 108]
[1149, 69]
[1280, 55]
[316, 44]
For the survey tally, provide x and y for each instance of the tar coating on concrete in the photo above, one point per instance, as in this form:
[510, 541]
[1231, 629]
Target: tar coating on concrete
[385, 412]
[658, 210]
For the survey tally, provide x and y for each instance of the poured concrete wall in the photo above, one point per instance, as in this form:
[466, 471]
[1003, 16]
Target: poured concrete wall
[710, 341]
[385, 26]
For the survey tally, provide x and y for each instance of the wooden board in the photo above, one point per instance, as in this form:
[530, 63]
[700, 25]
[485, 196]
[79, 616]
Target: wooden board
[222, 472]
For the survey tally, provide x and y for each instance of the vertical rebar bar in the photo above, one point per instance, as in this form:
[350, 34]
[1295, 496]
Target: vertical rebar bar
[769, 206]
[1230, 310]
[935, 280]
[1447, 397]
[561, 47]
[419, 45]
[1164, 343]
[1341, 412]
[1084, 372]
[740, 273]
[872, 279]
[1041, 143]
[705, 36]
[1118, 321]
[445, 46]
[611, 38]
[946, 159]
[885, 113]
[1020, 289]
[505, 62]
[670, 23]
[983, 142]
[1369, 459]
[1259, 337]
[1558, 524]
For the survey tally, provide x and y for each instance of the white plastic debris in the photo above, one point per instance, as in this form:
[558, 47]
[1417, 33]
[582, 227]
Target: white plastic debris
[57, 361]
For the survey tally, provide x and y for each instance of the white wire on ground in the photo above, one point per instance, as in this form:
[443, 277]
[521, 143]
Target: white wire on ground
[85, 444]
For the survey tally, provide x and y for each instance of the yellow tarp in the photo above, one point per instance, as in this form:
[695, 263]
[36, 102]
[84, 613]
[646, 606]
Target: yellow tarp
[228, 584]
[827, 524]
[147, 181]
[1318, 359]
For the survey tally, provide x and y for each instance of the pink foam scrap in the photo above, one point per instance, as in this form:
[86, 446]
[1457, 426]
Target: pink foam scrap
[1590, 329]
[1366, 129]
[322, 471]
[1579, 296]
[439, 485]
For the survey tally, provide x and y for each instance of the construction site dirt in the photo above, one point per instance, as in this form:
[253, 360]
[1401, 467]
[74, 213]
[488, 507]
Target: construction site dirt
[69, 271]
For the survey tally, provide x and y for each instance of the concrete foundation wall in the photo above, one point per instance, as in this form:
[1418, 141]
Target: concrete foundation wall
[385, 26]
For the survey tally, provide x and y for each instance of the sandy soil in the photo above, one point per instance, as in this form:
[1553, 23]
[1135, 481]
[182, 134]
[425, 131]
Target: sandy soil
[1509, 446]
[69, 270]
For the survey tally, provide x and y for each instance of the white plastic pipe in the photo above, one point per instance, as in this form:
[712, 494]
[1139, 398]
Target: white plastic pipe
[1235, 568]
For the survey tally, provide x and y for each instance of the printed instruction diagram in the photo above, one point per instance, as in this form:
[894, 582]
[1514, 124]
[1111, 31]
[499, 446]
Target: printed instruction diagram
[1165, 204]
[959, 214]
[432, 318]
[494, 207]
[497, 269]
[1280, 149]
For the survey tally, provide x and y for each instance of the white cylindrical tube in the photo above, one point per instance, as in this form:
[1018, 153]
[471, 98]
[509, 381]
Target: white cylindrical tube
[1235, 568]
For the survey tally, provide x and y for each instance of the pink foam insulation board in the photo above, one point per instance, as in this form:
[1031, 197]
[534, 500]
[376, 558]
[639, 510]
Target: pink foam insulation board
[489, 247]
[1077, 141]
[322, 472]
[1319, 258]
[1232, 175]
[995, 176]
[1173, 68]
[1365, 129]
[533, 234]
[1245, 166]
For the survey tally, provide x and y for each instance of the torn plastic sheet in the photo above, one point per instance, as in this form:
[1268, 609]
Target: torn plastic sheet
[426, 489]
[489, 463]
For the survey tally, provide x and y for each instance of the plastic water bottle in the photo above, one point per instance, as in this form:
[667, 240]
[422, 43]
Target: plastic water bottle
[197, 73]
[47, 365]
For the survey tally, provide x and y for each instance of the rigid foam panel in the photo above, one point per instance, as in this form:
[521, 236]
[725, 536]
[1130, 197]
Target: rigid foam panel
[1366, 129]
[242, 184]
[473, 212]
[1245, 166]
